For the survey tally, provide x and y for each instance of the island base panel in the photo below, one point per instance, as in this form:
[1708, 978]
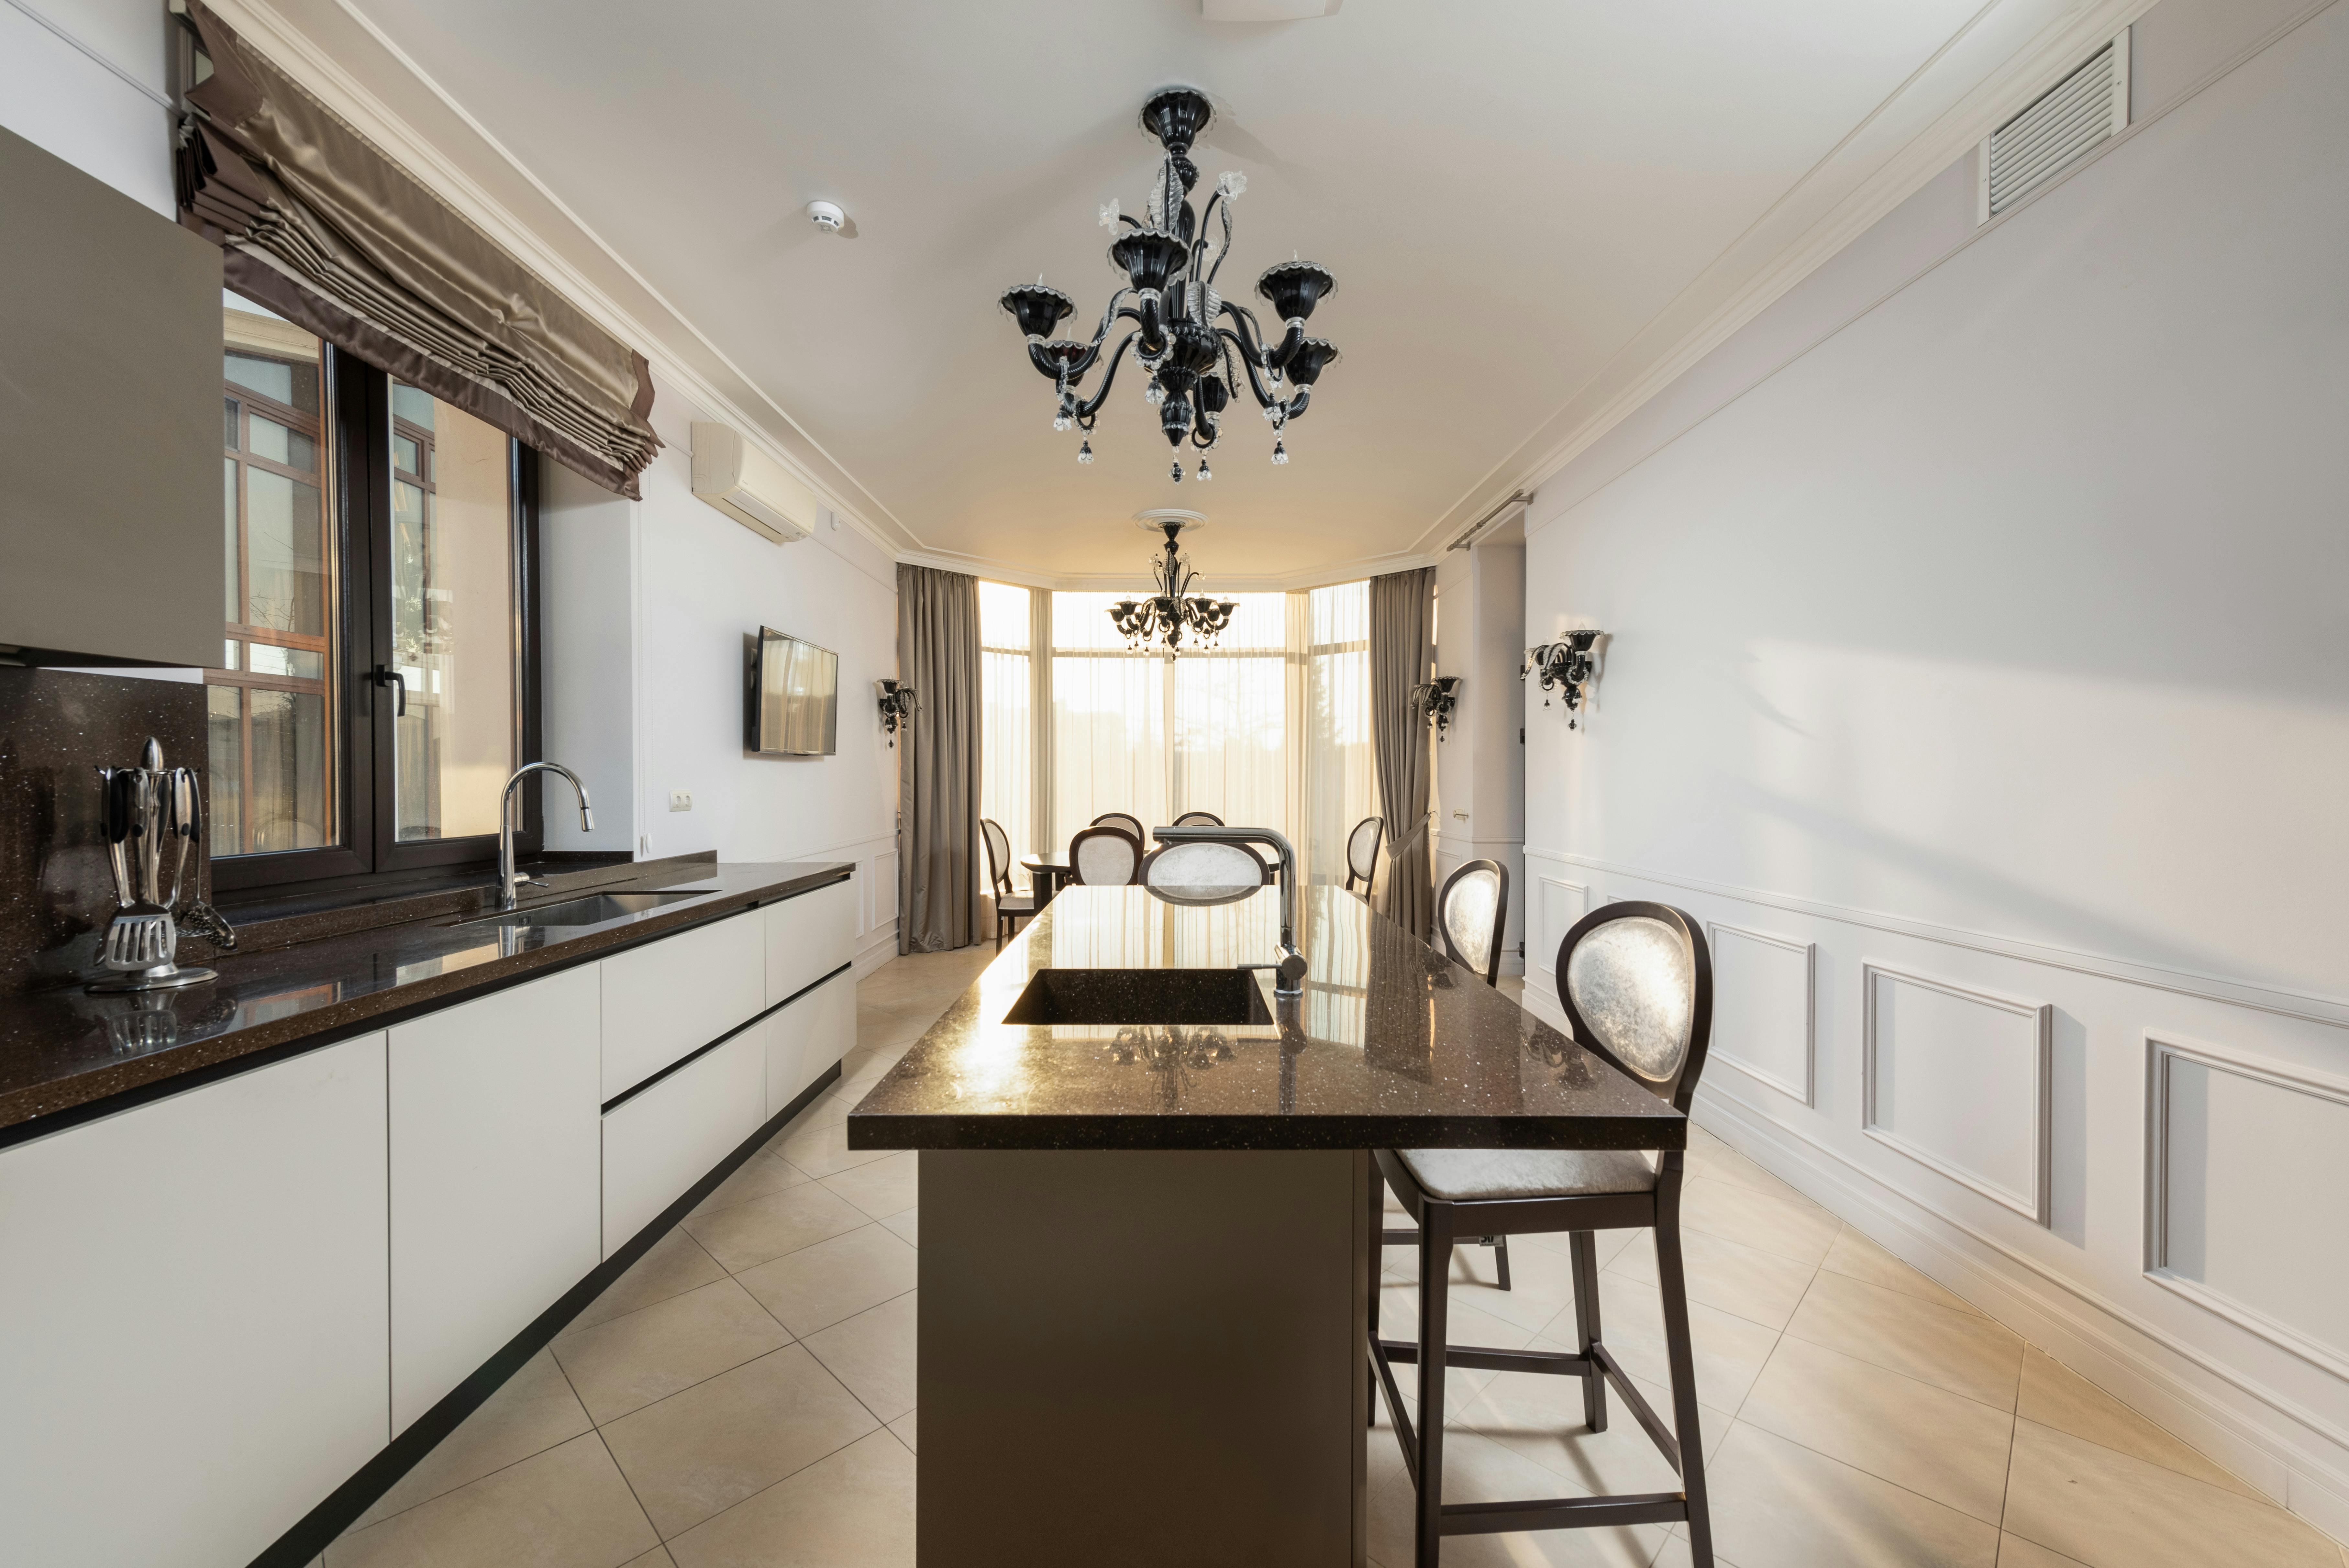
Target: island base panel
[1143, 1357]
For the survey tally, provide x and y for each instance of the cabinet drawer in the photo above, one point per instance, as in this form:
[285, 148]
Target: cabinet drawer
[664, 1140]
[808, 937]
[670, 998]
[807, 1037]
[495, 1166]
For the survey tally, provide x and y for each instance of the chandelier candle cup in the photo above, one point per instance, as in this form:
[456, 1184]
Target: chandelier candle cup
[1194, 347]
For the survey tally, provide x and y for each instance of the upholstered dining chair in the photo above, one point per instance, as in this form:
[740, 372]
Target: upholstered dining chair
[1362, 853]
[1125, 821]
[1105, 856]
[1637, 984]
[1198, 819]
[1010, 907]
[1204, 872]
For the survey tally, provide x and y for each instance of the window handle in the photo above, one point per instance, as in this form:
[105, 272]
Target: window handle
[382, 676]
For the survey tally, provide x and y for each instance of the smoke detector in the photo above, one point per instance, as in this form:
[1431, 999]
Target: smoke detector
[827, 216]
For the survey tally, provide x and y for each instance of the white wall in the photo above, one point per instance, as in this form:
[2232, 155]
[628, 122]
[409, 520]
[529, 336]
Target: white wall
[60, 94]
[1977, 632]
[1479, 764]
[648, 605]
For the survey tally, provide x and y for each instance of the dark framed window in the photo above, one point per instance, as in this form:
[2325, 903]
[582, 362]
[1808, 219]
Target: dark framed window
[379, 675]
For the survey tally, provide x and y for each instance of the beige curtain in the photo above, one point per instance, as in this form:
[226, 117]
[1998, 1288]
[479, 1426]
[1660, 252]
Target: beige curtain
[938, 762]
[1403, 653]
[317, 224]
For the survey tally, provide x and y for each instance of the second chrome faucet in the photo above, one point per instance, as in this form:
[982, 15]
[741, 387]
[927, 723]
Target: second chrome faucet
[509, 879]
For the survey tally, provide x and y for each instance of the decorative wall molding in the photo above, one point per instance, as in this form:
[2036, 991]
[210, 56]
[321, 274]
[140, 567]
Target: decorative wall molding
[1804, 1089]
[881, 891]
[2313, 1007]
[2161, 1050]
[1138, 580]
[2081, 1326]
[2031, 1198]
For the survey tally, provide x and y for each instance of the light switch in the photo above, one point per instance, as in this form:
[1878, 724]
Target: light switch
[680, 800]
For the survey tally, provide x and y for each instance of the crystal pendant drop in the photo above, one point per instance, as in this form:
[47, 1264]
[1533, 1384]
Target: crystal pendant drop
[1153, 394]
[1061, 422]
[1085, 451]
[1205, 473]
[1280, 454]
[1174, 471]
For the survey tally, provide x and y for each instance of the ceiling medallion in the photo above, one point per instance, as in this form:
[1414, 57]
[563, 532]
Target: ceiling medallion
[1193, 363]
[1167, 615]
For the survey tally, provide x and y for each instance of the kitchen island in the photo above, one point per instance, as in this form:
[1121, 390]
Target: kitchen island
[1148, 1216]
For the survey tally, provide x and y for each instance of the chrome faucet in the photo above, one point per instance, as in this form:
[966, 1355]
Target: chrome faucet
[1290, 971]
[508, 878]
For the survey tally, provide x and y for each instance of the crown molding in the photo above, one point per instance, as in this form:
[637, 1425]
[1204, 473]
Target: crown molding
[1138, 580]
[681, 355]
[2006, 54]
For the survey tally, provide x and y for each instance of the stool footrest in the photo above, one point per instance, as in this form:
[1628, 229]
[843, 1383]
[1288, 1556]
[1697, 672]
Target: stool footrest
[1564, 1363]
[1563, 1513]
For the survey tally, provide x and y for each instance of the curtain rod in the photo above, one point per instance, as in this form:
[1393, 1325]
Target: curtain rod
[1515, 498]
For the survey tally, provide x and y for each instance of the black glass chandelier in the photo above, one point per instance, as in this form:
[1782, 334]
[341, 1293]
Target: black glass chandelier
[1193, 363]
[1173, 610]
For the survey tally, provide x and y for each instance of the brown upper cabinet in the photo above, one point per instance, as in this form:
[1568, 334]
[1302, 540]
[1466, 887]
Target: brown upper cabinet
[110, 535]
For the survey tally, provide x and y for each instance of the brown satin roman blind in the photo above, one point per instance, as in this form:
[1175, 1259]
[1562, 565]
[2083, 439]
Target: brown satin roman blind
[317, 224]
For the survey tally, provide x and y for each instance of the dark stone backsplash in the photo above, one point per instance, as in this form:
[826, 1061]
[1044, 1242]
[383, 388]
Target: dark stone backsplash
[56, 892]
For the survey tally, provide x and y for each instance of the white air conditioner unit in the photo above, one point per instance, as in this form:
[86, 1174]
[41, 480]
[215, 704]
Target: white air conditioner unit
[753, 489]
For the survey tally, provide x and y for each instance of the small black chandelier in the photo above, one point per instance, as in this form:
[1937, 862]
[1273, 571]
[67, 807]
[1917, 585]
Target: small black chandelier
[1170, 296]
[1165, 616]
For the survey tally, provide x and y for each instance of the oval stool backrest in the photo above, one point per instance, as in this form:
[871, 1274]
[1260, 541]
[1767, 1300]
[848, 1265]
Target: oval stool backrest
[1471, 912]
[1362, 851]
[1105, 856]
[1637, 983]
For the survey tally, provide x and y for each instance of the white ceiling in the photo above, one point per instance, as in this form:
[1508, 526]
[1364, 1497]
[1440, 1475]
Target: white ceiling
[1509, 192]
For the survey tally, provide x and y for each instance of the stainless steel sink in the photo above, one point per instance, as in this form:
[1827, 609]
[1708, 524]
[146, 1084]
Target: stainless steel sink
[592, 910]
[1111, 996]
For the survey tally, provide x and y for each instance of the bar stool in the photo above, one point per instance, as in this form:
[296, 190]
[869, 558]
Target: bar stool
[1471, 912]
[1637, 984]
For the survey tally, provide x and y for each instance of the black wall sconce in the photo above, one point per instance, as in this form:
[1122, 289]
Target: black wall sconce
[1566, 662]
[1435, 700]
[897, 705]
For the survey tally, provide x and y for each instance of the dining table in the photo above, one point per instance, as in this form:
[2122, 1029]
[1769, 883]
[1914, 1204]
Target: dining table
[1048, 874]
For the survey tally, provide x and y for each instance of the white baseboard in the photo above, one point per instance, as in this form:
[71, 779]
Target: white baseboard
[2159, 1379]
[880, 947]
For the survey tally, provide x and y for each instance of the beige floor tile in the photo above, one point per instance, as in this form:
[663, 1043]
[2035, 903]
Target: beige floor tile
[904, 1426]
[2110, 1510]
[1940, 1445]
[698, 1453]
[884, 1188]
[657, 1557]
[1605, 1245]
[1540, 1282]
[1962, 1352]
[756, 1176]
[1677, 1554]
[1464, 1324]
[1709, 1157]
[818, 1286]
[1777, 1504]
[532, 1412]
[750, 1233]
[873, 1353]
[2014, 1552]
[2054, 1395]
[907, 1225]
[1854, 1255]
[1795, 1230]
[825, 1151]
[566, 1508]
[670, 1267]
[629, 1362]
[1761, 1287]
[854, 1510]
[1539, 1417]
[1477, 1469]
[827, 1109]
[1729, 1350]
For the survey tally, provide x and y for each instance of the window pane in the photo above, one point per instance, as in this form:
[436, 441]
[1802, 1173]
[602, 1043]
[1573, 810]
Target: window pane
[1002, 616]
[271, 744]
[452, 620]
[1007, 746]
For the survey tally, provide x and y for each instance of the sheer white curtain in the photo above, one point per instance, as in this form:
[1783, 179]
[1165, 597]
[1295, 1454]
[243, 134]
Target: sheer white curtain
[1336, 786]
[1007, 720]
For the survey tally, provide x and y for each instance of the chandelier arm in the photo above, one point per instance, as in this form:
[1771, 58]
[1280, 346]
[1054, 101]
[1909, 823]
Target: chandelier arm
[1297, 402]
[1263, 397]
[1092, 406]
[1227, 239]
[1110, 315]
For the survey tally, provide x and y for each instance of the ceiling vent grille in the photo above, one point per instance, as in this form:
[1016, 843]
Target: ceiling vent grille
[2062, 125]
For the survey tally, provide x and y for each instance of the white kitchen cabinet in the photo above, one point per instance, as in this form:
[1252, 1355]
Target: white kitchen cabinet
[669, 998]
[807, 1037]
[808, 937]
[194, 1307]
[663, 1140]
[496, 1166]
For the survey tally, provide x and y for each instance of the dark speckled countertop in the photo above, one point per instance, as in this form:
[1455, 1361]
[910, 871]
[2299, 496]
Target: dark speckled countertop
[1393, 1045]
[66, 1055]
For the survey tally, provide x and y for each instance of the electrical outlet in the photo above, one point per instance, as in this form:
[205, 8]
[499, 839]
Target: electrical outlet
[680, 800]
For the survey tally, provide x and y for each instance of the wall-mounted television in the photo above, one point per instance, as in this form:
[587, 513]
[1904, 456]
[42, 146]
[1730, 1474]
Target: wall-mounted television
[794, 697]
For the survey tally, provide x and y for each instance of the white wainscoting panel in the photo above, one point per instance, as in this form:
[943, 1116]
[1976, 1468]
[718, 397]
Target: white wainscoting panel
[1557, 904]
[882, 890]
[1957, 1079]
[1764, 1016]
[2246, 1162]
